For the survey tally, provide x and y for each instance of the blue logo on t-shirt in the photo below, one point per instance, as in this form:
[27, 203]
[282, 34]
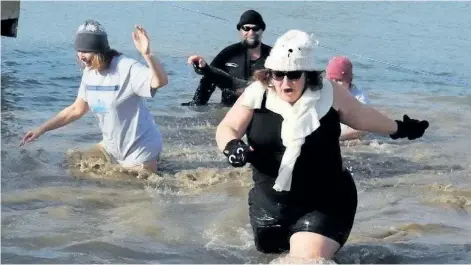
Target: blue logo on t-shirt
[101, 97]
[102, 88]
[99, 107]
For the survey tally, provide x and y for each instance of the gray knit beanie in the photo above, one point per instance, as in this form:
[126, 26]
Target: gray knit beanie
[91, 37]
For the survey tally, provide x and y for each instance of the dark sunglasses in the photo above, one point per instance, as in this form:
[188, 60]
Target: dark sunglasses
[253, 28]
[292, 75]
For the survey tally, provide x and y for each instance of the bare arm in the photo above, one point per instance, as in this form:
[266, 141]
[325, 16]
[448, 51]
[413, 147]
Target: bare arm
[351, 134]
[142, 43]
[234, 124]
[361, 116]
[159, 76]
[66, 116]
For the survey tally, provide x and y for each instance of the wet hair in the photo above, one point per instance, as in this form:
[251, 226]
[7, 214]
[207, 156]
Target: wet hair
[313, 78]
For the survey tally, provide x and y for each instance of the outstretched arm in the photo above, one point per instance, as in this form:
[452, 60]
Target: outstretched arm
[365, 118]
[66, 116]
[351, 134]
[223, 79]
[360, 116]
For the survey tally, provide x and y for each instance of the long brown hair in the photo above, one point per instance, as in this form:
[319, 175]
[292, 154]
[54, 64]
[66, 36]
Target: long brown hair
[313, 78]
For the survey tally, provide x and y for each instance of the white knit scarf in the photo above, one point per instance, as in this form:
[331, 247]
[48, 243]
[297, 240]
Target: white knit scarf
[299, 120]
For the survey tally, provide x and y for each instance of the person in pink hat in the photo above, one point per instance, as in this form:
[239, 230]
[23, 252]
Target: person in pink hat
[340, 70]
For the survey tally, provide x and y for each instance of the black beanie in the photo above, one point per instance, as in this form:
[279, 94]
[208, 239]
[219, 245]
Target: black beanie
[251, 17]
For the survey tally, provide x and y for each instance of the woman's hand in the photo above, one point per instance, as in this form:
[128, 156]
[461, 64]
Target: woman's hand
[410, 128]
[141, 40]
[31, 136]
[237, 152]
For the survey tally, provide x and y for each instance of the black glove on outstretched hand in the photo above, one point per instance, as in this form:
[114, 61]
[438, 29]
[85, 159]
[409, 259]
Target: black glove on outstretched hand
[237, 152]
[410, 128]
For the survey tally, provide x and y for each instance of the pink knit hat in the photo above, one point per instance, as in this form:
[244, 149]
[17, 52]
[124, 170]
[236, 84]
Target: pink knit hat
[340, 68]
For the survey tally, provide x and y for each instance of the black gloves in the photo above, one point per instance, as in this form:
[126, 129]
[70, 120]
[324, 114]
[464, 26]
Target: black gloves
[410, 128]
[237, 152]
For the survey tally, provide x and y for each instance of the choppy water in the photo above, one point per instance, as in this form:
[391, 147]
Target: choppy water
[414, 197]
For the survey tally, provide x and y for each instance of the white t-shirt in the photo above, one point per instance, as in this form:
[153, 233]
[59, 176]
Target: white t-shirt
[116, 96]
[358, 94]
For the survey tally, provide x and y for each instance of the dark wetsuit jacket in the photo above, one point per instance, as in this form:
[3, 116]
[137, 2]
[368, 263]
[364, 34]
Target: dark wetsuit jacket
[230, 70]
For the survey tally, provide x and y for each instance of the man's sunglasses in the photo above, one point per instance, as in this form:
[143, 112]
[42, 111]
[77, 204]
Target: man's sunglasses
[292, 75]
[253, 28]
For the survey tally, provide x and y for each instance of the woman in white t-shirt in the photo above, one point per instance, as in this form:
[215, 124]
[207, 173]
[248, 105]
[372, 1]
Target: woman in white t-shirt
[340, 70]
[114, 87]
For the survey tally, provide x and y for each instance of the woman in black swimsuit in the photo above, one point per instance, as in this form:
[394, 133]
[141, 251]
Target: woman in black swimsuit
[303, 200]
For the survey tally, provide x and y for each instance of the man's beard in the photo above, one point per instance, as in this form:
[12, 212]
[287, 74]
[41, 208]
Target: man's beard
[252, 42]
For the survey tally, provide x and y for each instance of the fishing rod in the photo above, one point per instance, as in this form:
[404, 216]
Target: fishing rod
[455, 81]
